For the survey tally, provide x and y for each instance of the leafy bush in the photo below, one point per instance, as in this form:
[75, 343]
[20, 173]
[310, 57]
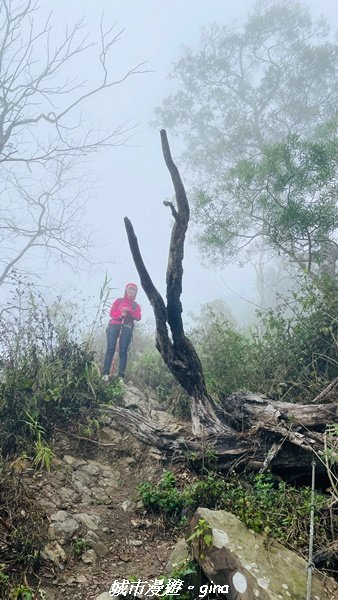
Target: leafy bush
[164, 496]
[227, 354]
[296, 352]
[276, 509]
[47, 374]
[148, 370]
[292, 355]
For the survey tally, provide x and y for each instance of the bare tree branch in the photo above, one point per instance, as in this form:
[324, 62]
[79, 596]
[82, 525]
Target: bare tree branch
[40, 145]
[179, 354]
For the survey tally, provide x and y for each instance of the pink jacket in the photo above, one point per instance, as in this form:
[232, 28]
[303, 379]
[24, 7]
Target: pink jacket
[133, 314]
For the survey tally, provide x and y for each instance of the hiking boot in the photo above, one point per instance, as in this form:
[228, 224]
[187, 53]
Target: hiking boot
[105, 378]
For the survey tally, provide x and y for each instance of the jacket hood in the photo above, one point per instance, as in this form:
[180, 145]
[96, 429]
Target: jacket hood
[133, 285]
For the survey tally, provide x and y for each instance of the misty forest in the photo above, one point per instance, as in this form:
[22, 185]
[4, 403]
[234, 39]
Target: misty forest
[223, 435]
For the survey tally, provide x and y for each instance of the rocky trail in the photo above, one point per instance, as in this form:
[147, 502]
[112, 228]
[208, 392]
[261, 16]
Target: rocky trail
[98, 531]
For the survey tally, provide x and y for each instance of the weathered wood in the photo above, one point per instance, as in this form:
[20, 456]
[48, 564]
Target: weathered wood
[250, 430]
[286, 446]
[243, 409]
[177, 351]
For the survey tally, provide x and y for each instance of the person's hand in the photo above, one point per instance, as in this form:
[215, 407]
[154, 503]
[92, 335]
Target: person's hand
[124, 312]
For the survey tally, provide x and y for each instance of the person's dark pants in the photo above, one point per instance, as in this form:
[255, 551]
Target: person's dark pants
[113, 333]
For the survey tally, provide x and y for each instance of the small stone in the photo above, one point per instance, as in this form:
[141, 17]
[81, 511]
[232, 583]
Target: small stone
[91, 469]
[80, 476]
[68, 495]
[92, 537]
[54, 552]
[82, 489]
[100, 549]
[81, 578]
[105, 420]
[263, 583]
[63, 530]
[90, 521]
[136, 522]
[59, 477]
[60, 515]
[135, 542]
[89, 557]
[126, 505]
[111, 473]
[73, 462]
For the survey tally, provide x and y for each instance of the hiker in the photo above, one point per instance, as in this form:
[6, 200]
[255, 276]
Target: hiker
[123, 313]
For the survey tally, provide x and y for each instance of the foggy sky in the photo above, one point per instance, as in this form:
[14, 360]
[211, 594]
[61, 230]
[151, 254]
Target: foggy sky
[132, 180]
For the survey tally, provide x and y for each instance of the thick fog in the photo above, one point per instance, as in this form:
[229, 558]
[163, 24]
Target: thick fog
[131, 179]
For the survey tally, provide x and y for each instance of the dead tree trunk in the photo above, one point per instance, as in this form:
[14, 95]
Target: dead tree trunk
[177, 351]
[251, 430]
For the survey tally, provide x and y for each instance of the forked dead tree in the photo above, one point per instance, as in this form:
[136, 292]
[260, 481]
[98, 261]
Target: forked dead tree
[250, 430]
[177, 351]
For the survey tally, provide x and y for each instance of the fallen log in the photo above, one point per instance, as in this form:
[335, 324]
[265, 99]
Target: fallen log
[259, 434]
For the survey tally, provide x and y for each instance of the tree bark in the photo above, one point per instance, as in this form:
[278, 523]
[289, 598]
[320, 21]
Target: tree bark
[177, 351]
[250, 430]
[258, 434]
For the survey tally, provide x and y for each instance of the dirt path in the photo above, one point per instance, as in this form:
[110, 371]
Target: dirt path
[98, 529]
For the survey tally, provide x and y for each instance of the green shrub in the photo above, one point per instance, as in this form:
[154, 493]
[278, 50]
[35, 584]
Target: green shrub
[46, 374]
[296, 352]
[277, 509]
[227, 355]
[148, 370]
[292, 355]
[163, 497]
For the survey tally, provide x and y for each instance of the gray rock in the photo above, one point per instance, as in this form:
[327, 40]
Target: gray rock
[60, 515]
[238, 559]
[127, 505]
[105, 420]
[179, 555]
[90, 521]
[59, 477]
[104, 596]
[104, 494]
[83, 490]
[135, 542]
[110, 473]
[100, 549]
[92, 537]
[81, 477]
[108, 435]
[89, 557]
[63, 530]
[54, 552]
[68, 495]
[90, 469]
[73, 462]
